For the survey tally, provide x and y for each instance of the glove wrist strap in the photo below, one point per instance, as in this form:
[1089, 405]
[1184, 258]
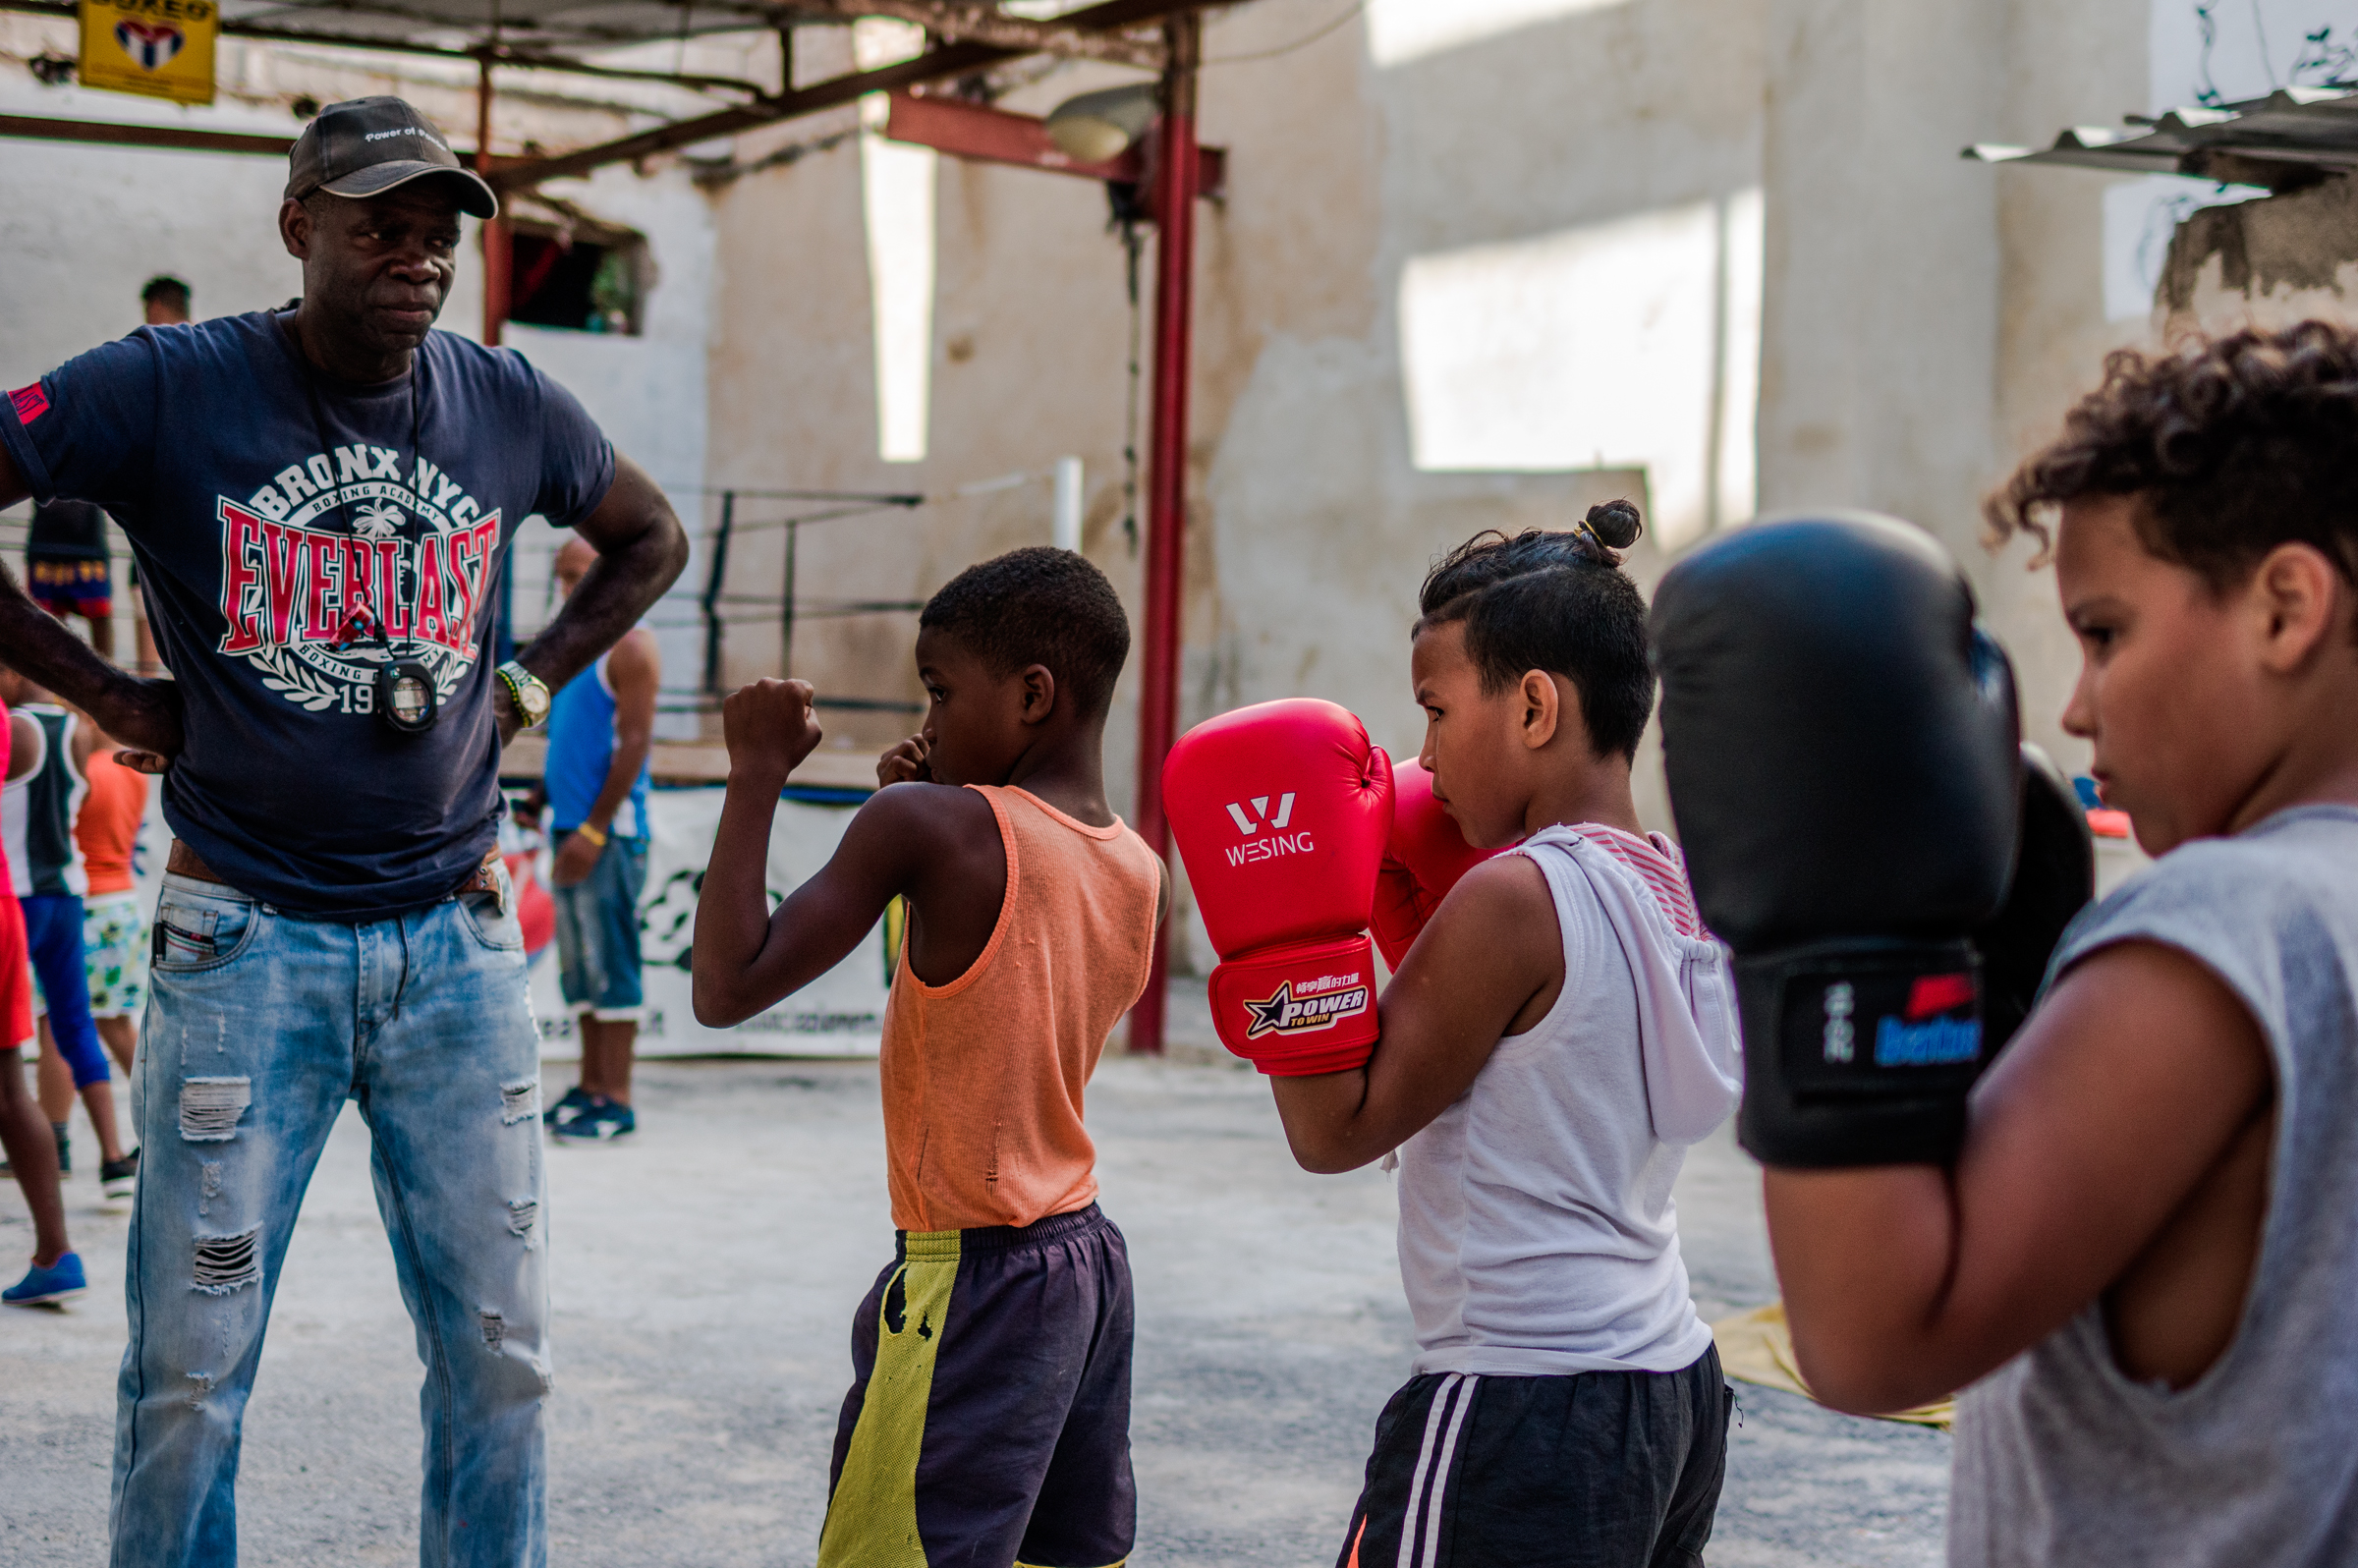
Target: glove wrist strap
[1859, 1052]
[1301, 1009]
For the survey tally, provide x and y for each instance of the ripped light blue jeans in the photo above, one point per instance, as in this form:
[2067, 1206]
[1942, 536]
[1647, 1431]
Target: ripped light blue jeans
[259, 1026]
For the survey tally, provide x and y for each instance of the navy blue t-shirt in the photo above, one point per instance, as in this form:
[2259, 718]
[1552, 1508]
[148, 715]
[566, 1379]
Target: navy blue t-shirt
[275, 514]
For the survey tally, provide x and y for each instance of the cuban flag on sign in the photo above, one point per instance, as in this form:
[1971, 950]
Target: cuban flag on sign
[151, 43]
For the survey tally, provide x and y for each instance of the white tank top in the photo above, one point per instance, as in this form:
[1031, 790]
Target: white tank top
[1537, 1232]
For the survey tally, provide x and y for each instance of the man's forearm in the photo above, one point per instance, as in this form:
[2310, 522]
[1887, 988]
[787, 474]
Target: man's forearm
[614, 596]
[37, 644]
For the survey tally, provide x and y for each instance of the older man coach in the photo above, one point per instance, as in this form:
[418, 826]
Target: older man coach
[320, 499]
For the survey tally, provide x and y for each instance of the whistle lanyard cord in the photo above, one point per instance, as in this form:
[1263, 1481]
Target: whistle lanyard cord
[311, 392]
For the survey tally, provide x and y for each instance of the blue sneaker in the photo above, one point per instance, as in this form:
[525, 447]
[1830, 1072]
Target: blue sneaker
[60, 1281]
[565, 1110]
[602, 1121]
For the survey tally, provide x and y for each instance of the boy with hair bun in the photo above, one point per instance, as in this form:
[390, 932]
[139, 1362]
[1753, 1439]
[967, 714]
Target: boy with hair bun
[1556, 1034]
[989, 1419]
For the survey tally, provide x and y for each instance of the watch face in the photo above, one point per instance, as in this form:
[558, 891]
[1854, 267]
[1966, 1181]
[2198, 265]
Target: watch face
[529, 691]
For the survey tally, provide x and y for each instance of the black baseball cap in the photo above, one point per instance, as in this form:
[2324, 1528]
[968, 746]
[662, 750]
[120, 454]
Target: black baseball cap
[366, 146]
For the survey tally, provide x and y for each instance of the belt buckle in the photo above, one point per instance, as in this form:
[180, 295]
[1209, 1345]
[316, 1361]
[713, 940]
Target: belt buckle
[487, 879]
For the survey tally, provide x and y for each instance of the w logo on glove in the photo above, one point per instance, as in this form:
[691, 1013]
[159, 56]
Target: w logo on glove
[1249, 825]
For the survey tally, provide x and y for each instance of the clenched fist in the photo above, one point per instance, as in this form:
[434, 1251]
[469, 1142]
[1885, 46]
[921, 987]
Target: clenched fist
[904, 763]
[769, 727]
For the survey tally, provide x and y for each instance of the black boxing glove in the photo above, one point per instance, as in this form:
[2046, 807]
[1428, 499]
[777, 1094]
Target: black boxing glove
[2054, 878]
[1844, 765]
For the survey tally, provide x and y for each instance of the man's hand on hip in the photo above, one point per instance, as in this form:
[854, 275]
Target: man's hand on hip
[146, 715]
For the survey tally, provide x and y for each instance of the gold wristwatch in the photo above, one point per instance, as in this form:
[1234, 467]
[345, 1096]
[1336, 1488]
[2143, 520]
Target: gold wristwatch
[527, 692]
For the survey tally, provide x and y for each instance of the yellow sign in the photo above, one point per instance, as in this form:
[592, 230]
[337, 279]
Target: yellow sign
[157, 49]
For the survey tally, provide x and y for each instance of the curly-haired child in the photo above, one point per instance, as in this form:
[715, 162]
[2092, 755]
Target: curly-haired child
[2143, 1259]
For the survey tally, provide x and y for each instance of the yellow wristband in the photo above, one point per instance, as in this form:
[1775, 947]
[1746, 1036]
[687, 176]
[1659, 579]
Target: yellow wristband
[595, 835]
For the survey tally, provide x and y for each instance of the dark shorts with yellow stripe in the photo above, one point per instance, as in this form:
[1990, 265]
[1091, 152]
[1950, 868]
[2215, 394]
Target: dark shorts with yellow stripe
[989, 1421]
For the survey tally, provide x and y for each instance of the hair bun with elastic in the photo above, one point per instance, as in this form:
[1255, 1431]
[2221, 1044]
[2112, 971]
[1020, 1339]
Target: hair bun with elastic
[1615, 523]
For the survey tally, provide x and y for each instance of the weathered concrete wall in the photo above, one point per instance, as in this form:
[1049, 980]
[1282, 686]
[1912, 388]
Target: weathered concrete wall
[1882, 261]
[1930, 320]
[2062, 65]
[2264, 264]
[83, 226]
[1310, 523]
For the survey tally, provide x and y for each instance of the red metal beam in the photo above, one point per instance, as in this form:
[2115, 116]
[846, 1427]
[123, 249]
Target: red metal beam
[950, 60]
[1166, 478]
[499, 238]
[107, 133]
[981, 133]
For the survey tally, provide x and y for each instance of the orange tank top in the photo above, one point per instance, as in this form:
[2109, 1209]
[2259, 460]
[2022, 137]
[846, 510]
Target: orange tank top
[108, 825]
[983, 1077]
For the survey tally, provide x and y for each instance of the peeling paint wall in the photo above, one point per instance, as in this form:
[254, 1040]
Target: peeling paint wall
[2265, 263]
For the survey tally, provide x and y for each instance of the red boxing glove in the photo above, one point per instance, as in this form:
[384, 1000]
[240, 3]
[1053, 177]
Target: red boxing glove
[1281, 810]
[1423, 860]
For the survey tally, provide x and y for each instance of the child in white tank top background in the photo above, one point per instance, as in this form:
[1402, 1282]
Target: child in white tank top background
[1558, 1032]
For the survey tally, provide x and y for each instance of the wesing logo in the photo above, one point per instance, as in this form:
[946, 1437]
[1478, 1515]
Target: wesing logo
[1266, 847]
[151, 43]
[1314, 1005]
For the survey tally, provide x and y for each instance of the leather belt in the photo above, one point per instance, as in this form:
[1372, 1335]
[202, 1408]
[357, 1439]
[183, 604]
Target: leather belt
[186, 861]
[484, 878]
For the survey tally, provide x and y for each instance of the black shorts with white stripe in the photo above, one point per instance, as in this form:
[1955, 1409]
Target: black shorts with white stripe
[1590, 1470]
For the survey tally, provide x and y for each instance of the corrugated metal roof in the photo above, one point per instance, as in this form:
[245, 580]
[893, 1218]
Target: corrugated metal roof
[2293, 128]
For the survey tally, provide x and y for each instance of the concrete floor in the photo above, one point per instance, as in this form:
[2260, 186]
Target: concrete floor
[705, 1277]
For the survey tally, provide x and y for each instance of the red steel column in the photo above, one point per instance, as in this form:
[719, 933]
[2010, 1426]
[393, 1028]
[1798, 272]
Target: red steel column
[498, 267]
[1166, 477]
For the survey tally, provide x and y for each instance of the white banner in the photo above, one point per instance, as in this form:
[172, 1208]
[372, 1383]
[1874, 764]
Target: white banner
[839, 1014]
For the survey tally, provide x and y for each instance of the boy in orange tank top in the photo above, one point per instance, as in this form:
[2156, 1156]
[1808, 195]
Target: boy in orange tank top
[989, 1419]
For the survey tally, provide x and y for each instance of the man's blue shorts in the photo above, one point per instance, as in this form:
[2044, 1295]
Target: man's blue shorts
[597, 935]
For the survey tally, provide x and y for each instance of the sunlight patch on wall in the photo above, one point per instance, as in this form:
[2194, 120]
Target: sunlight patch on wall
[1401, 31]
[1734, 484]
[1623, 344]
[897, 188]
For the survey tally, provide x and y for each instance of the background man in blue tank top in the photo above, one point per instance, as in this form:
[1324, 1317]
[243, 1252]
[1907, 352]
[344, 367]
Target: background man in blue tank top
[600, 729]
[319, 500]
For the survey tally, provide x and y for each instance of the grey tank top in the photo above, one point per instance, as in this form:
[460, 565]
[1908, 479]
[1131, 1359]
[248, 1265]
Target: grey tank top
[2061, 1459]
